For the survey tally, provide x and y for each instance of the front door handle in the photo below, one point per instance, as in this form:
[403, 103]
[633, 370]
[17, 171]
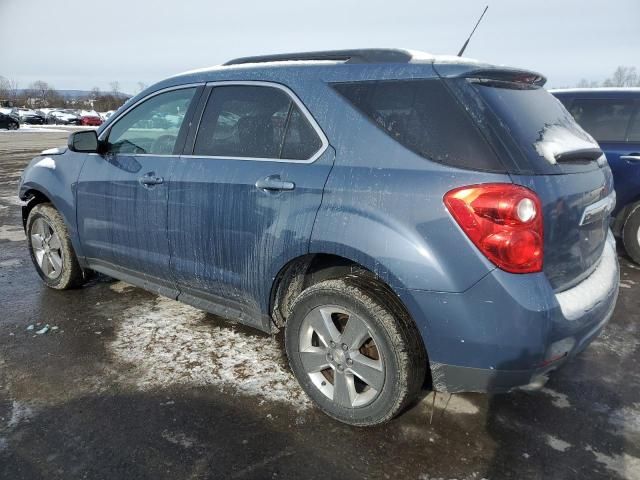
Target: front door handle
[632, 157]
[150, 179]
[274, 183]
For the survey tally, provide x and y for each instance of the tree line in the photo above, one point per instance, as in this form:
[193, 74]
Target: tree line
[622, 77]
[40, 94]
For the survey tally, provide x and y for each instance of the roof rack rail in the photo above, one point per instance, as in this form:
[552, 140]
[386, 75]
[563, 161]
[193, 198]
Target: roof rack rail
[363, 55]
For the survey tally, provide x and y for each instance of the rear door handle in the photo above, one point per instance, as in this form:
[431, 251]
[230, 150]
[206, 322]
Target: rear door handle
[632, 157]
[274, 183]
[150, 179]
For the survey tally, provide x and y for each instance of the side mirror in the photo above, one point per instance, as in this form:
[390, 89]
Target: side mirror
[83, 141]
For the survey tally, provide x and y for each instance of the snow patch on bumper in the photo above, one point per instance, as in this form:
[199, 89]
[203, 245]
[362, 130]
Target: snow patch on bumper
[596, 288]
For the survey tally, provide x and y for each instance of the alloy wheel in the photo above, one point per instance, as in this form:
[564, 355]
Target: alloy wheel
[47, 248]
[341, 357]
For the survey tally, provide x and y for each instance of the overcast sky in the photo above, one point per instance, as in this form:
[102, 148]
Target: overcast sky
[79, 44]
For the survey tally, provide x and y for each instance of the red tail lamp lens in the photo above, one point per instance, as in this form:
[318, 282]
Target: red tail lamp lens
[504, 221]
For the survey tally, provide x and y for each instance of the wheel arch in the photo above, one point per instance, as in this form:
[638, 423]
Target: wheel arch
[33, 197]
[621, 218]
[306, 270]
[36, 195]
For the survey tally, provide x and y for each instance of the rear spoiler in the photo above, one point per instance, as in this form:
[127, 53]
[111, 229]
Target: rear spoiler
[580, 154]
[506, 78]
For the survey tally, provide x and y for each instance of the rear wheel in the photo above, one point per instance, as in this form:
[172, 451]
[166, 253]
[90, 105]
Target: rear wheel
[631, 234]
[51, 249]
[360, 361]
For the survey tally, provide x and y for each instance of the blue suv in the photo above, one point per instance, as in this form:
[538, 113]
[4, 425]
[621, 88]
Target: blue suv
[405, 218]
[612, 117]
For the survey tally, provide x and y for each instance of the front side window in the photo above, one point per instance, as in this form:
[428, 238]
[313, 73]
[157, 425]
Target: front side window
[247, 121]
[153, 126]
[606, 120]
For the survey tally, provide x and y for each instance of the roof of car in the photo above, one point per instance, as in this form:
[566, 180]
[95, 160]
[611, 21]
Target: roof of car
[598, 91]
[338, 57]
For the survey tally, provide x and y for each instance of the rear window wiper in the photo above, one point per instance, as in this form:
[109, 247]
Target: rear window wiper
[582, 154]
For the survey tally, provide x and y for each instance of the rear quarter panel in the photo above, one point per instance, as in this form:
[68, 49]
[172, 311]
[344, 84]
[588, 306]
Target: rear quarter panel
[383, 208]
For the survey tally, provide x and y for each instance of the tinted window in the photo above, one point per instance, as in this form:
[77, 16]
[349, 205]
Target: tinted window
[300, 141]
[634, 129]
[255, 122]
[605, 120]
[424, 117]
[539, 123]
[153, 126]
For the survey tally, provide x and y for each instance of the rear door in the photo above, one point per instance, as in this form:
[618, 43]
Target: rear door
[615, 124]
[243, 201]
[122, 194]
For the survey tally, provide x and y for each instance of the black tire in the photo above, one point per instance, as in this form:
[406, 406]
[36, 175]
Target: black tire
[631, 234]
[398, 346]
[70, 275]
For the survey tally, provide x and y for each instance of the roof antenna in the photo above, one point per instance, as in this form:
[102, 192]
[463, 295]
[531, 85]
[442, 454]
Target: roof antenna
[464, 47]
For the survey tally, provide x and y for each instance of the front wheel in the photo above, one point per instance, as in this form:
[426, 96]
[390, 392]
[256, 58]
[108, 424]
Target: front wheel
[51, 249]
[631, 234]
[361, 361]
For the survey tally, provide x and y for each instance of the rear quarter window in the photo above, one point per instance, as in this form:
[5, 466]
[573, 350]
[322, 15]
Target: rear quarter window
[424, 117]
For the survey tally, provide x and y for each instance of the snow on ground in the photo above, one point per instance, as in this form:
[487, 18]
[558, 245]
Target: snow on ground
[12, 233]
[170, 343]
[12, 200]
[624, 465]
[20, 412]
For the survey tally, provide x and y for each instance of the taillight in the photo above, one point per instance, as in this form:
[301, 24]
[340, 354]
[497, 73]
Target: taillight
[504, 221]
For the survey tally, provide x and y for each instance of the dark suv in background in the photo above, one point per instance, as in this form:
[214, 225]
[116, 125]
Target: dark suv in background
[612, 117]
[400, 215]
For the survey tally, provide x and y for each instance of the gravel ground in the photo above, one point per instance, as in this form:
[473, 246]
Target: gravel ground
[130, 385]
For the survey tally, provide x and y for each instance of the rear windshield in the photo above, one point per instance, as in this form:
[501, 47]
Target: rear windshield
[541, 126]
[425, 117]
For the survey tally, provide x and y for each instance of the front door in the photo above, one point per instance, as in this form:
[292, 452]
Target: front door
[122, 193]
[245, 200]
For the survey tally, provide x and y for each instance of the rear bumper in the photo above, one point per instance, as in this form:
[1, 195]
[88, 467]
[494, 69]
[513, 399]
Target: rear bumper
[510, 331]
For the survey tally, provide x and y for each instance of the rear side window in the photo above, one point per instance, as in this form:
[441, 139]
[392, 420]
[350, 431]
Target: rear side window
[246, 121]
[606, 120]
[424, 117]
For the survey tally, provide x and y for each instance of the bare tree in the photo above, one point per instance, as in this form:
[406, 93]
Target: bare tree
[4, 87]
[105, 101]
[115, 87]
[41, 94]
[9, 90]
[584, 83]
[623, 77]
